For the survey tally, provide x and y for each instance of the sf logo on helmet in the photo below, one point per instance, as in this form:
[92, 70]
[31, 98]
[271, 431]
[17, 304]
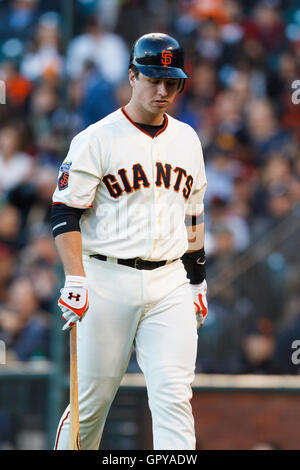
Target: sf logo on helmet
[166, 58]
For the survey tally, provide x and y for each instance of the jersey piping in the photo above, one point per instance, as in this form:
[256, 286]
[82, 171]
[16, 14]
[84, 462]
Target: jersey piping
[58, 202]
[140, 128]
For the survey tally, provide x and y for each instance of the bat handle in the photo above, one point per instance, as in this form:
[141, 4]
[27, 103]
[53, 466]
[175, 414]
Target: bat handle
[74, 435]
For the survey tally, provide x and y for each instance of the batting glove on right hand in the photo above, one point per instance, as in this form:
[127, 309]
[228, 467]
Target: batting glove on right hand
[73, 301]
[200, 301]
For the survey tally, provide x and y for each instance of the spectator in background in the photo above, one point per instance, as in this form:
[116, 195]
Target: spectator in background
[264, 131]
[228, 113]
[226, 229]
[75, 98]
[19, 19]
[15, 165]
[23, 327]
[18, 88]
[108, 12]
[122, 93]
[221, 170]
[10, 224]
[49, 123]
[106, 50]
[44, 103]
[97, 95]
[99, 102]
[31, 200]
[209, 43]
[39, 259]
[45, 59]
[196, 108]
[268, 27]
[279, 89]
[7, 269]
[211, 9]
[257, 348]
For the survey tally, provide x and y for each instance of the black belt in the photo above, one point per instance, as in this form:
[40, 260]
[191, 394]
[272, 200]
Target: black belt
[137, 263]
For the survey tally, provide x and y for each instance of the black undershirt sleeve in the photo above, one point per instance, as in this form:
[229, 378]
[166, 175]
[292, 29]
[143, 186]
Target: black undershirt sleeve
[65, 219]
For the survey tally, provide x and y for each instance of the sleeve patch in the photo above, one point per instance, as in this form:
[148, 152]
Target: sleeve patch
[65, 167]
[63, 180]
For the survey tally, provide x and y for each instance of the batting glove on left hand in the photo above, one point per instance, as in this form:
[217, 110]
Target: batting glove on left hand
[73, 301]
[200, 301]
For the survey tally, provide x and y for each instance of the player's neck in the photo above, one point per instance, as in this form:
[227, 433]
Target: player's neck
[143, 116]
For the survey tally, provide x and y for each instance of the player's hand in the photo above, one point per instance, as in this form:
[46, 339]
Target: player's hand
[200, 301]
[73, 301]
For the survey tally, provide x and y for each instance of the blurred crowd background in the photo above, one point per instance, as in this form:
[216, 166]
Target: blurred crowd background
[64, 65]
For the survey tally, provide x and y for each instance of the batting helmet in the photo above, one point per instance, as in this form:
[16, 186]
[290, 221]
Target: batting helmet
[158, 55]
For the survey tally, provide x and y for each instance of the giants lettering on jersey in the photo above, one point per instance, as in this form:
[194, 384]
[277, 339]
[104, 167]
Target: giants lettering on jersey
[117, 184]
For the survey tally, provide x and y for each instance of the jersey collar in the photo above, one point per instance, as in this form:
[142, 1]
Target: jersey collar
[142, 130]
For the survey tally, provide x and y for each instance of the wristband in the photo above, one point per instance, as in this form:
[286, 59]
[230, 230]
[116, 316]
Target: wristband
[73, 281]
[194, 263]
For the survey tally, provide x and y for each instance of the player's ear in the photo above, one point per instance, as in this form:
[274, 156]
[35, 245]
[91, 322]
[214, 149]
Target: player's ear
[131, 77]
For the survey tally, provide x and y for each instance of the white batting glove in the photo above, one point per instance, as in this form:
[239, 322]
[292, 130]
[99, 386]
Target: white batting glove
[200, 301]
[73, 301]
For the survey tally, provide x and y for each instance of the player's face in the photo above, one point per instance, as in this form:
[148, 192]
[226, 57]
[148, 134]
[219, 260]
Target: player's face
[154, 95]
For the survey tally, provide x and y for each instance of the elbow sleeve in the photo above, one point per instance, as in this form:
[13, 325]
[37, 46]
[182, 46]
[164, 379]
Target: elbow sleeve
[65, 219]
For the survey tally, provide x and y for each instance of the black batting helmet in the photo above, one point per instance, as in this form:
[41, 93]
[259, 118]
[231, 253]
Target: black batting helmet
[158, 55]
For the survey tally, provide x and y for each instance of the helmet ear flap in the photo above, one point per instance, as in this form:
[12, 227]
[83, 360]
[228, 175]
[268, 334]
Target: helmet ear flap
[181, 85]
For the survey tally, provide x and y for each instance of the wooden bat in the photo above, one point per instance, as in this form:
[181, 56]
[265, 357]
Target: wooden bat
[74, 436]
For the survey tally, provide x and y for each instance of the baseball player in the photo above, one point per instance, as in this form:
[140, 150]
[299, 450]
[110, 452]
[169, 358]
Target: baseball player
[128, 225]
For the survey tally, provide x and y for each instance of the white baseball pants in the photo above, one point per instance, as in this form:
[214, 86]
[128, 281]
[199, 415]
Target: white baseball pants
[154, 311]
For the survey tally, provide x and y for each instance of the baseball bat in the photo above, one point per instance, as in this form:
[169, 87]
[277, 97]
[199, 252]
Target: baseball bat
[74, 435]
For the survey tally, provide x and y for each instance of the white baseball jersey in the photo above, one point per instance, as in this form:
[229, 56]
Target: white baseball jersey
[136, 189]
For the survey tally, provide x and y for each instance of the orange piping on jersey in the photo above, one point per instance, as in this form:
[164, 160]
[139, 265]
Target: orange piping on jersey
[60, 428]
[190, 400]
[85, 207]
[142, 130]
[164, 128]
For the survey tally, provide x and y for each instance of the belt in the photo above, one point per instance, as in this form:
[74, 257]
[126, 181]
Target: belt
[137, 263]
